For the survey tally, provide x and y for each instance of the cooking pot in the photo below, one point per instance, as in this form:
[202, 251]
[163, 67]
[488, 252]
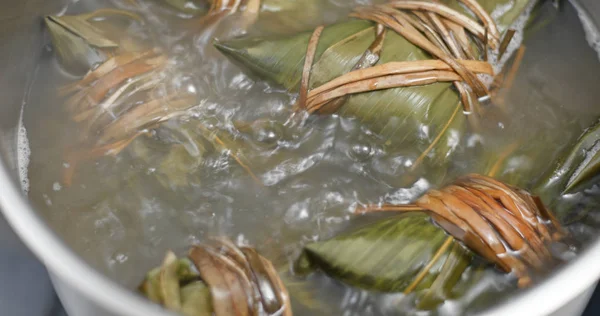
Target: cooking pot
[85, 291]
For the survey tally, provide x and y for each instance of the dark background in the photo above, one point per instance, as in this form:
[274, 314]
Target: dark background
[594, 305]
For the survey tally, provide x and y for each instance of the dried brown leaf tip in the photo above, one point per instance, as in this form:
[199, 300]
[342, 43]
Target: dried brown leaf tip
[218, 278]
[444, 33]
[505, 225]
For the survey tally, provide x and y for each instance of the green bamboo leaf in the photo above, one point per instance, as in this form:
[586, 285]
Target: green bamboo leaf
[80, 26]
[177, 286]
[420, 121]
[388, 255]
[150, 287]
[196, 300]
[182, 146]
[73, 51]
[177, 154]
[456, 263]
[578, 167]
[280, 60]
[178, 165]
[532, 164]
[186, 273]
[289, 16]
[169, 282]
[81, 42]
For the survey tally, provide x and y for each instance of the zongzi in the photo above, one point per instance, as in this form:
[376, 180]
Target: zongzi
[505, 225]
[218, 278]
[392, 67]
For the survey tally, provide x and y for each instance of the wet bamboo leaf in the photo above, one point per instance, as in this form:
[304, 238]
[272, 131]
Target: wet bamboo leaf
[387, 255]
[440, 290]
[86, 40]
[163, 285]
[81, 27]
[288, 16]
[169, 282]
[83, 41]
[177, 286]
[196, 300]
[579, 165]
[422, 122]
[218, 277]
[176, 154]
[73, 51]
[411, 254]
[151, 286]
[185, 271]
[178, 165]
[180, 148]
[528, 165]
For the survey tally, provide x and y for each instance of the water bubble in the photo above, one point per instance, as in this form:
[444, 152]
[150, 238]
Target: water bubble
[361, 152]
[211, 122]
[241, 82]
[120, 257]
[47, 199]
[186, 84]
[268, 133]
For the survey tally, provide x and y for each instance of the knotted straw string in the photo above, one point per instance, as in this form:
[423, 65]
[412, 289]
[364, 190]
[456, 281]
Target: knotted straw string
[505, 225]
[439, 30]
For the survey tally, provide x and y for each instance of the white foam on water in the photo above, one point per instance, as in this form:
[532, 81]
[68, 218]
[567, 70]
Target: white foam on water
[23, 153]
[589, 27]
[519, 26]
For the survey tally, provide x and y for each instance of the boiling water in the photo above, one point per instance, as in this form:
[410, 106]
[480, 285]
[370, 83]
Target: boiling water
[121, 216]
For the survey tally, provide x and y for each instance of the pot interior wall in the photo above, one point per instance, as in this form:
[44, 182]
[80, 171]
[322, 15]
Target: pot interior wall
[21, 43]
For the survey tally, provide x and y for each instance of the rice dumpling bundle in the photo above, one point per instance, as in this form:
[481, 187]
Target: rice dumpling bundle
[126, 92]
[406, 69]
[428, 254]
[218, 278]
[432, 243]
[117, 99]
